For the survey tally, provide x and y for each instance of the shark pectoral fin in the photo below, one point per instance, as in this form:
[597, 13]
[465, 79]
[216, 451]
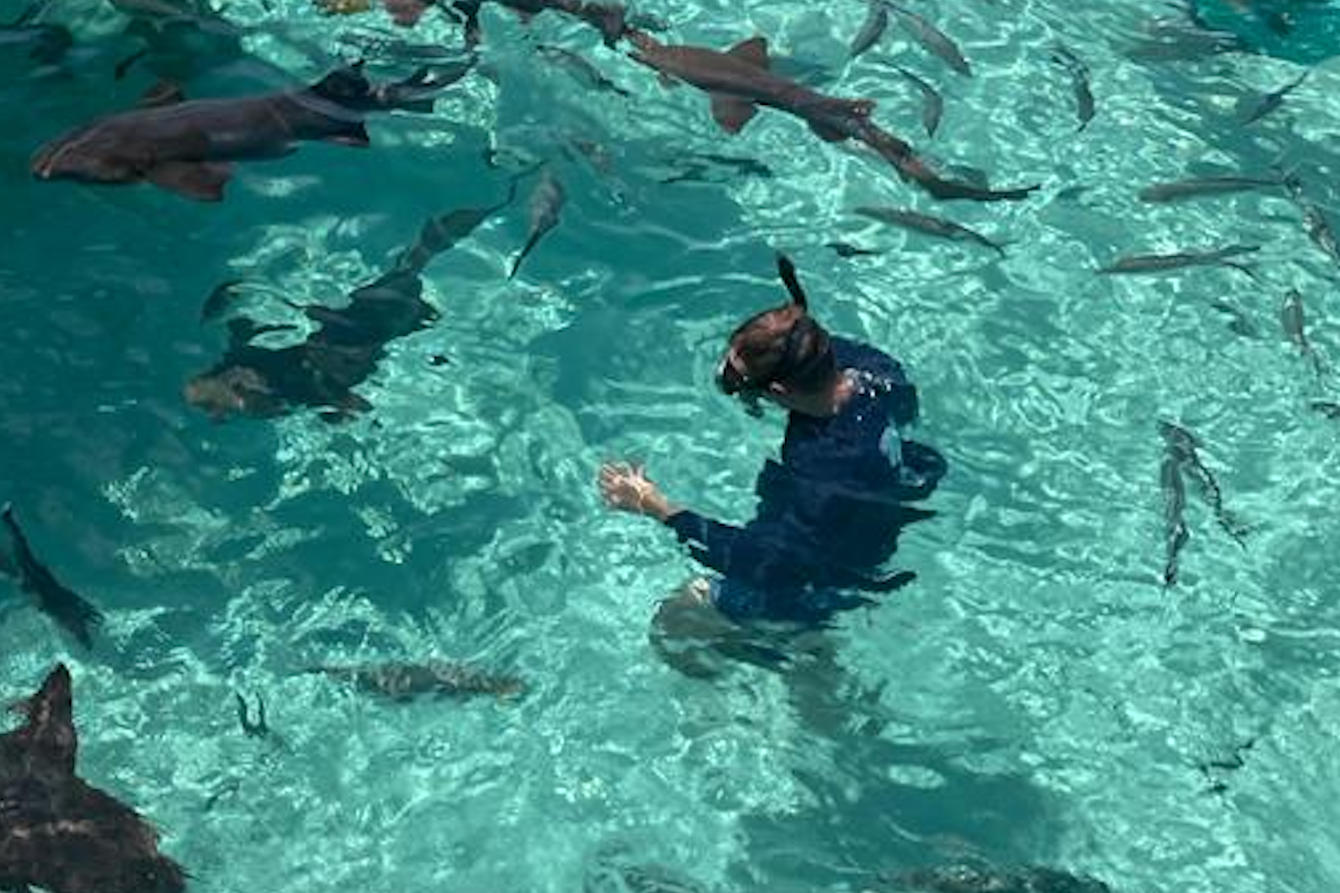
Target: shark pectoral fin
[732, 112]
[162, 93]
[200, 180]
[754, 51]
[355, 134]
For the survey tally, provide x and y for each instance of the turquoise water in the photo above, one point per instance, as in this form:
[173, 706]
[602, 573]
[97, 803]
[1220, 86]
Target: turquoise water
[1036, 697]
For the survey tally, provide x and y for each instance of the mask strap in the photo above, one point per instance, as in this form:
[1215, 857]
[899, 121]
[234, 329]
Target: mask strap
[787, 271]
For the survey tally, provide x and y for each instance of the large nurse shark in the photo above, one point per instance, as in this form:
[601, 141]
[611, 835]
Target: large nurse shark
[740, 80]
[188, 147]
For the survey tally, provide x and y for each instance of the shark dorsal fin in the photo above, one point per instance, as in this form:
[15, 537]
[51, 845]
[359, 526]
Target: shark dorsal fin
[754, 51]
[49, 732]
[161, 94]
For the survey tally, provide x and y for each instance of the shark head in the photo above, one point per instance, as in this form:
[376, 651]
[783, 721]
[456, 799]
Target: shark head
[235, 389]
[92, 155]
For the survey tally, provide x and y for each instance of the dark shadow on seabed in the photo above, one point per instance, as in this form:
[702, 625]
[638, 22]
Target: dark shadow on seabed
[865, 821]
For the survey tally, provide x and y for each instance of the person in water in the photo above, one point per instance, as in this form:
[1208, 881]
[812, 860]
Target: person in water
[829, 512]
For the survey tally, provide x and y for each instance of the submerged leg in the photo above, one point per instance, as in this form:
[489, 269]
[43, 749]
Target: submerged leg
[686, 629]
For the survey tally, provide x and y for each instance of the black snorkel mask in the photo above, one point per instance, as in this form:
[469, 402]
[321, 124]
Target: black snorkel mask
[735, 383]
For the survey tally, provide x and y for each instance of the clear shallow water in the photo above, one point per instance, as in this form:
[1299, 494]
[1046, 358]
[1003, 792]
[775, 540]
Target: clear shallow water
[1036, 696]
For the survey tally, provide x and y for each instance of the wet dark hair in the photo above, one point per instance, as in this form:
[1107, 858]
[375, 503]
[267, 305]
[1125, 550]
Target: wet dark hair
[783, 345]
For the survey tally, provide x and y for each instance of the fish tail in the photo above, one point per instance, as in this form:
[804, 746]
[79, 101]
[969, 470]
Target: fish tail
[609, 19]
[525, 250]
[345, 86]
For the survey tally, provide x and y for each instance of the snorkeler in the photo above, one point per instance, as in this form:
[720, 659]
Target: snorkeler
[829, 512]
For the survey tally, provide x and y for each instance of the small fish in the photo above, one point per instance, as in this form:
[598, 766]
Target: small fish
[1182, 189]
[1294, 325]
[1079, 80]
[220, 298]
[1159, 263]
[546, 202]
[933, 39]
[1254, 111]
[1315, 222]
[256, 728]
[931, 226]
[405, 681]
[1174, 523]
[1232, 763]
[53, 598]
[845, 249]
[876, 20]
[932, 103]
[441, 233]
[581, 70]
[1183, 446]
[1320, 231]
[701, 165]
[1327, 408]
[1239, 322]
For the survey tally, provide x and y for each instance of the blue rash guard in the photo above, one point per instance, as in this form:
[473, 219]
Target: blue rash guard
[830, 512]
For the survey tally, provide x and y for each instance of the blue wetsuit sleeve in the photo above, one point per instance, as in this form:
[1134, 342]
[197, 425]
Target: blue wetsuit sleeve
[710, 542]
[754, 555]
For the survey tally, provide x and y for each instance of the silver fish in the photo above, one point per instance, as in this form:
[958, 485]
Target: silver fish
[1318, 227]
[1183, 189]
[1261, 106]
[848, 250]
[1293, 322]
[1174, 523]
[1079, 80]
[933, 39]
[1183, 446]
[932, 103]
[1239, 323]
[1158, 263]
[876, 20]
[931, 226]
[545, 204]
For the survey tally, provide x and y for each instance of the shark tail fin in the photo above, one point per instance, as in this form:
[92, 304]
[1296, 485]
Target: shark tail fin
[50, 726]
[787, 271]
[610, 19]
[345, 86]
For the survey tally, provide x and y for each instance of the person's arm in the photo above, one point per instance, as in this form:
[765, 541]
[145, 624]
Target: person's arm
[711, 543]
[749, 554]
